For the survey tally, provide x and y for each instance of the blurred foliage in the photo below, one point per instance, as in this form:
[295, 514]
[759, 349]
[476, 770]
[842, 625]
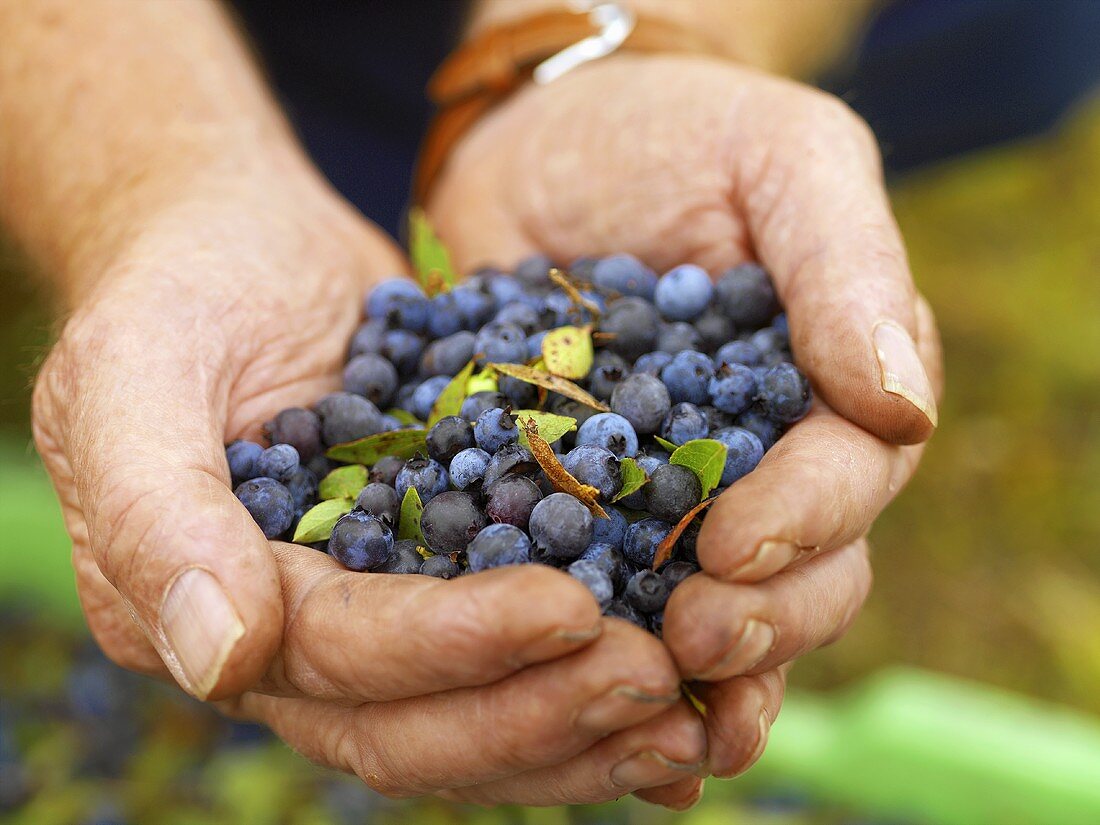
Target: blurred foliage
[986, 565]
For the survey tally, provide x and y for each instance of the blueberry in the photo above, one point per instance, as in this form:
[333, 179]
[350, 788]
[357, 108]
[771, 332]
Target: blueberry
[642, 538]
[559, 309]
[643, 401]
[594, 578]
[684, 422]
[609, 559]
[688, 376]
[624, 274]
[561, 525]
[440, 567]
[747, 295]
[779, 322]
[450, 521]
[609, 358]
[738, 352]
[534, 272]
[401, 303]
[298, 427]
[656, 623]
[511, 458]
[385, 470]
[501, 342]
[448, 437]
[733, 388]
[621, 610]
[761, 426]
[494, 428]
[671, 492]
[303, 489]
[785, 395]
[403, 559]
[372, 377]
[447, 356]
[468, 468]
[474, 307]
[534, 345]
[560, 405]
[321, 465]
[714, 328]
[269, 503]
[716, 419]
[633, 323]
[479, 402]
[389, 423]
[652, 363]
[426, 394]
[610, 431]
[360, 541]
[602, 380]
[444, 318]
[744, 452]
[241, 456]
[675, 572]
[596, 466]
[427, 476]
[646, 592]
[520, 394]
[380, 501]
[521, 314]
[511, 499]
[683, 292]
[505, 289]
[368, 337]
[677, 337]
[772, 343]
[279, 461]
[581, 268]
[648, 463]
[610, 530]
[403, 349]
[498, 545]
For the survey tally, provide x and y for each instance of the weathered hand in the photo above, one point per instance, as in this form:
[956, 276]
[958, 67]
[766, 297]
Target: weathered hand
[688, 159]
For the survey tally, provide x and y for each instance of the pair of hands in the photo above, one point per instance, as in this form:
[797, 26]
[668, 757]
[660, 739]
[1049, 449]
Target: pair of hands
[506, 686]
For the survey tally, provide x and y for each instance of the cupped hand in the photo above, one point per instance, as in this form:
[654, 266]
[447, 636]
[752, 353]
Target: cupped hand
[213, 315]
[677, 159]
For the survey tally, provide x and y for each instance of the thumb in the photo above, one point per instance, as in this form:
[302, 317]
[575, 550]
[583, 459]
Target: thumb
[144, 437]
[826, 231]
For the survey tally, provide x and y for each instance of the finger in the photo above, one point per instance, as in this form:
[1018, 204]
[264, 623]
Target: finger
[663, 750]
[373, 637]
[682, 795]
[740, 713]
[717, 630]
[819, 488]
[541, 716]
[144, 440]
[825, 230]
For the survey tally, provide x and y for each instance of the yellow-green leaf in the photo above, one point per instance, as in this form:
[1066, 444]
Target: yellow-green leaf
[404, 416]
[634, 477]
[429, 255]
[551, 427]
[558, 475]
[705, 457]
[450, 400]
[668, 445]
[551, 382]
[408, 526]
[343, 482]
[401, 443]
[316, 523]
[567, 351]
[484, 381]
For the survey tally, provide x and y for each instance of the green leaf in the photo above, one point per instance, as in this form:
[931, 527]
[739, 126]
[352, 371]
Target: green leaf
[404, 416]
[668, 445]
[401, 443]
[408, 526]
[429, 255]
[486, 380]
[633, 477]
[551, 427]
[450, 400]
[567, 351]
[343, 482]
[316, 523]
[705, 457]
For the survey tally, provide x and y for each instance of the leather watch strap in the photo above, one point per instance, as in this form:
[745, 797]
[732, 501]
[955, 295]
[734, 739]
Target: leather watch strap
[487, 69]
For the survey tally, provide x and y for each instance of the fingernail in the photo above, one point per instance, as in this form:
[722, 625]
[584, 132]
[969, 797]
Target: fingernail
[619, 706]
[555, 644]
[689, 801]
[763, 725]
[772, 555]
[201, 627]
[646, 769]
[750, 648]
[902, 371]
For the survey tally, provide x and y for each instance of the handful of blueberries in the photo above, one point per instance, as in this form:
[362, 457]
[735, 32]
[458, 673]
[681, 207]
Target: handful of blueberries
[678, 359]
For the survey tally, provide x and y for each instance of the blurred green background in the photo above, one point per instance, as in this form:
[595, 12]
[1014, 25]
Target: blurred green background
[987, 577]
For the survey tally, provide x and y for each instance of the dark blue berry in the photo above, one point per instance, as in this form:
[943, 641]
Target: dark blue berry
[642, 400]
[561, 525]
[610, 431]
[298, 427]
[642, 538]
[597, 467]
[494, 428]
[427, 476]
[646, 592]
[743, 453]
[683, 292]
[733, 388]
[468, 468]
[688, 376]
[610, 530]
[450, 521]
[624, 274]
[346, 417]
[498, 545]
[747, 295]
[738, 352]
[501, 342]
[684, 422]
[360, 541]
[404, 559]
[678, 336]
[511, 499]
[785, 394]
[372, 377]
[671, 492]
[269, 503]
[241, 456]
[385, 470]
[479, 402]
[633, 324]
[403, 349]
[279, 461]
[653, 362]
[448, 437]
[447, 356]
[594, 578]
[380, 501]
[609, 559]
[440, 567]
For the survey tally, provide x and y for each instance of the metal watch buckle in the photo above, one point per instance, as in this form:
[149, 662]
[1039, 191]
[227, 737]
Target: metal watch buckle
[615, 23]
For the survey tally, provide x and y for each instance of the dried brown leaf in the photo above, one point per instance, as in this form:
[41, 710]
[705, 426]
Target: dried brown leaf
[664, 549]
[570, 289]
[557, 474]
[551, 382]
